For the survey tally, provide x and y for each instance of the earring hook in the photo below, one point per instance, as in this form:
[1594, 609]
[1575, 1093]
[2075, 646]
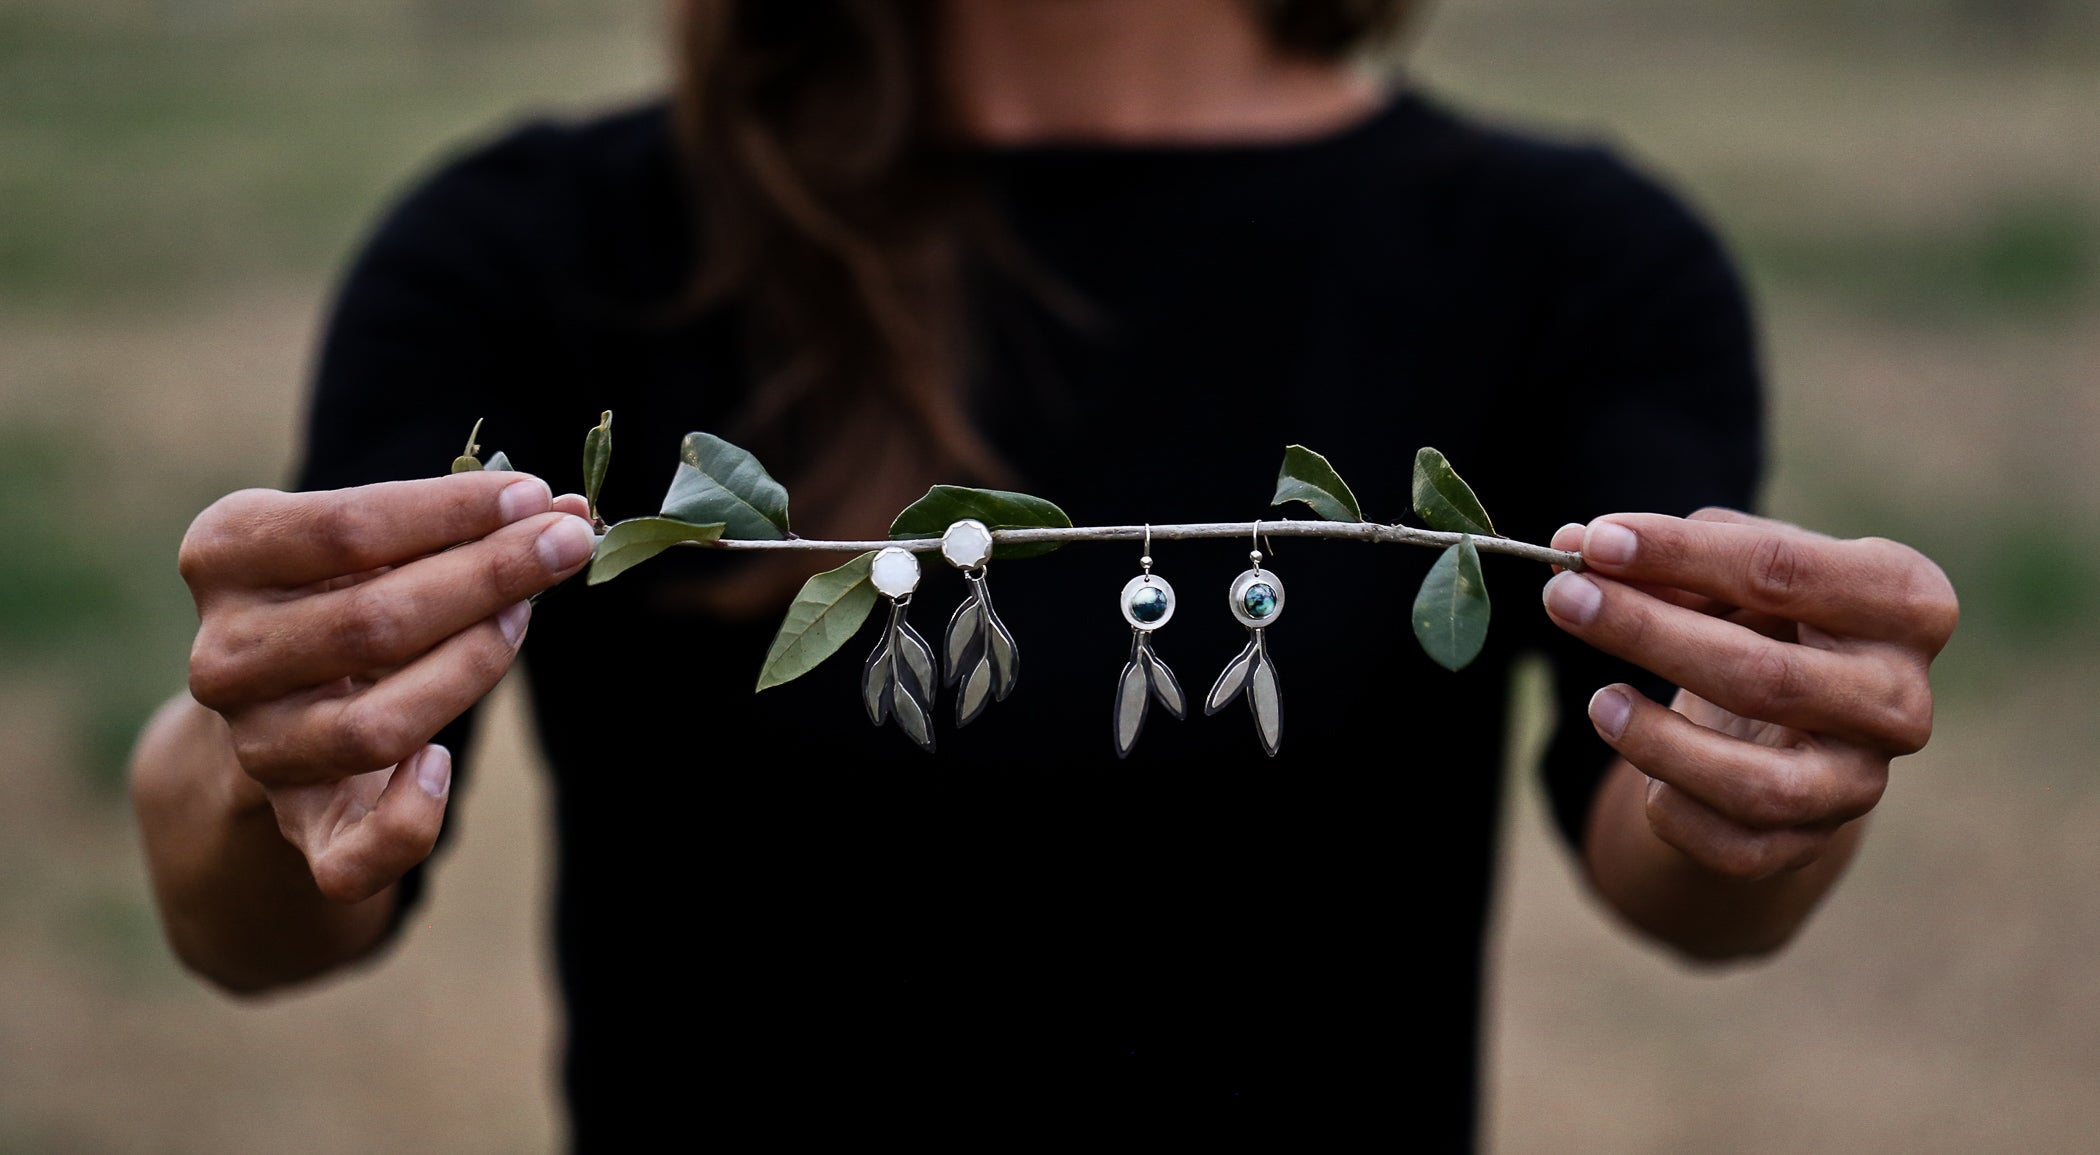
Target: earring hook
[1145, 561]
[1254, 540]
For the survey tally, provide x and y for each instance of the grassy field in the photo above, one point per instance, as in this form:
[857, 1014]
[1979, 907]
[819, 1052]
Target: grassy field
[1914, 188]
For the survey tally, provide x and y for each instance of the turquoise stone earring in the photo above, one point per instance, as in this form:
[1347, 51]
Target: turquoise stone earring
[1147, 604]
[983, 662]
[1256, 599]
[897, 681]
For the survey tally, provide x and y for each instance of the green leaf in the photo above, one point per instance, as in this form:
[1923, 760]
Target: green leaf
[1444, 500]
[943, 505]
[500, 460]
[717, 481]
[1451, 611]
[1307, 477]
[636, 540]
[826, 613]
[597, 454]
[465, 463]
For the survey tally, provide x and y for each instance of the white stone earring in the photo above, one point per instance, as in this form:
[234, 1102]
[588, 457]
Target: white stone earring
[897, 682]
[983, 663]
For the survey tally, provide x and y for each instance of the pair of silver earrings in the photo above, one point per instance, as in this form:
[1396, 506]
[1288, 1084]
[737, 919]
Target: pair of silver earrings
[978, 651]
[1256, 600]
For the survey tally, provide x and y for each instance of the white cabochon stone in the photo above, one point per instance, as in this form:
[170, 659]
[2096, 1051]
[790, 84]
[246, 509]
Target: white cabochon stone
[895, 572]
[967, 544]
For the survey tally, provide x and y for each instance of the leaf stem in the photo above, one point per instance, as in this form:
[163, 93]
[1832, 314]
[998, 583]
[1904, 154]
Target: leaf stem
[1346, 531]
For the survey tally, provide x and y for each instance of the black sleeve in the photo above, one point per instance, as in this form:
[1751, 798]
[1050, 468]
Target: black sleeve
[1648, 372]
[433, 328]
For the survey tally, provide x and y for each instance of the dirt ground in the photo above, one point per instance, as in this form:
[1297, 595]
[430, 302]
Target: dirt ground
[1914, 188]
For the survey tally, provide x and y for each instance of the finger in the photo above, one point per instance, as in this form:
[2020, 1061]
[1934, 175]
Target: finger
[1753, 785]
[265, 538]
[1725, 847]
[1869, 694]
[370, 853]
[1740, 517]
[319, 738]
[1770, 625]
[573, 504]
[268, 648]
[1865, 588]
[344, 581]
[1569, 538]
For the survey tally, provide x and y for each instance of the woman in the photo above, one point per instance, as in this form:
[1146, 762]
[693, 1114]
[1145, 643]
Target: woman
[1117, 255]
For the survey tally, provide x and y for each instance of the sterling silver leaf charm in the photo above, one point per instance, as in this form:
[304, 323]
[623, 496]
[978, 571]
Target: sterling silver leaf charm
[897, 683]
[1144, 679]
[1256, 599]
[982, 662]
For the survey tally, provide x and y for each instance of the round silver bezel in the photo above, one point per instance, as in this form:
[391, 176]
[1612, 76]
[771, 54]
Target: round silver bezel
[967, 544]
[1236, 597]
[894, 572]
[1133, 586]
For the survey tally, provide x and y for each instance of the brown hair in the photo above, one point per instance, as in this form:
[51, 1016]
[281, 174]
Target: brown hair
[826, 212]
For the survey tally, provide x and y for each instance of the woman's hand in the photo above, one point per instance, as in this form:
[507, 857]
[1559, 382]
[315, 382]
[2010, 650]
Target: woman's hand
[339, 631]
[1803, 661]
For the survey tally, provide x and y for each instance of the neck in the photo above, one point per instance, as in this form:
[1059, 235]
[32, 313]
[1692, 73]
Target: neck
[1113, 71]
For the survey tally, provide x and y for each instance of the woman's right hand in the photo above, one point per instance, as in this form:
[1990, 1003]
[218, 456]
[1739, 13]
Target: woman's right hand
[340, 630]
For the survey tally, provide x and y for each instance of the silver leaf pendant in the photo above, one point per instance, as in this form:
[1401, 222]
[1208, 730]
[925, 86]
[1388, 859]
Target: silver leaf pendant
[1147, 602]
[1145, 679]
[1256, 599]
[982, 661]
[897, 682]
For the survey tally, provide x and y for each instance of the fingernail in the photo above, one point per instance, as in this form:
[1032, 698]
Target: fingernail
[565, 544]
[1609, 709]
[1574, 598]
[434, 771]
[522, 499]
[512, 621]
[1610, 543]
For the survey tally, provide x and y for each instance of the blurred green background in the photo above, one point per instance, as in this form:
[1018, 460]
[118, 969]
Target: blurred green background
[1913, 187]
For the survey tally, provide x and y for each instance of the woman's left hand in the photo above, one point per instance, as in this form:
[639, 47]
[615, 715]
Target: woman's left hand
[1803, 663]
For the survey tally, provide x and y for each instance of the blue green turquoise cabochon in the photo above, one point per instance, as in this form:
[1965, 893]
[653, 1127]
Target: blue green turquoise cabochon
[1149, 604]
[1256, 597]
[1147, 601]
[1260, 599]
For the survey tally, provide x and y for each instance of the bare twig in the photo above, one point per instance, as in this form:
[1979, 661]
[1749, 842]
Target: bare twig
[1347, 531]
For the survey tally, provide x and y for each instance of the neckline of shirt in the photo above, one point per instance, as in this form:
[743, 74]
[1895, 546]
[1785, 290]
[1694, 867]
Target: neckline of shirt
[1393, 107]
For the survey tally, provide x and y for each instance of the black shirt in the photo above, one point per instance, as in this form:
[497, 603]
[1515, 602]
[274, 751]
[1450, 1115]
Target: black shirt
[771, 912]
